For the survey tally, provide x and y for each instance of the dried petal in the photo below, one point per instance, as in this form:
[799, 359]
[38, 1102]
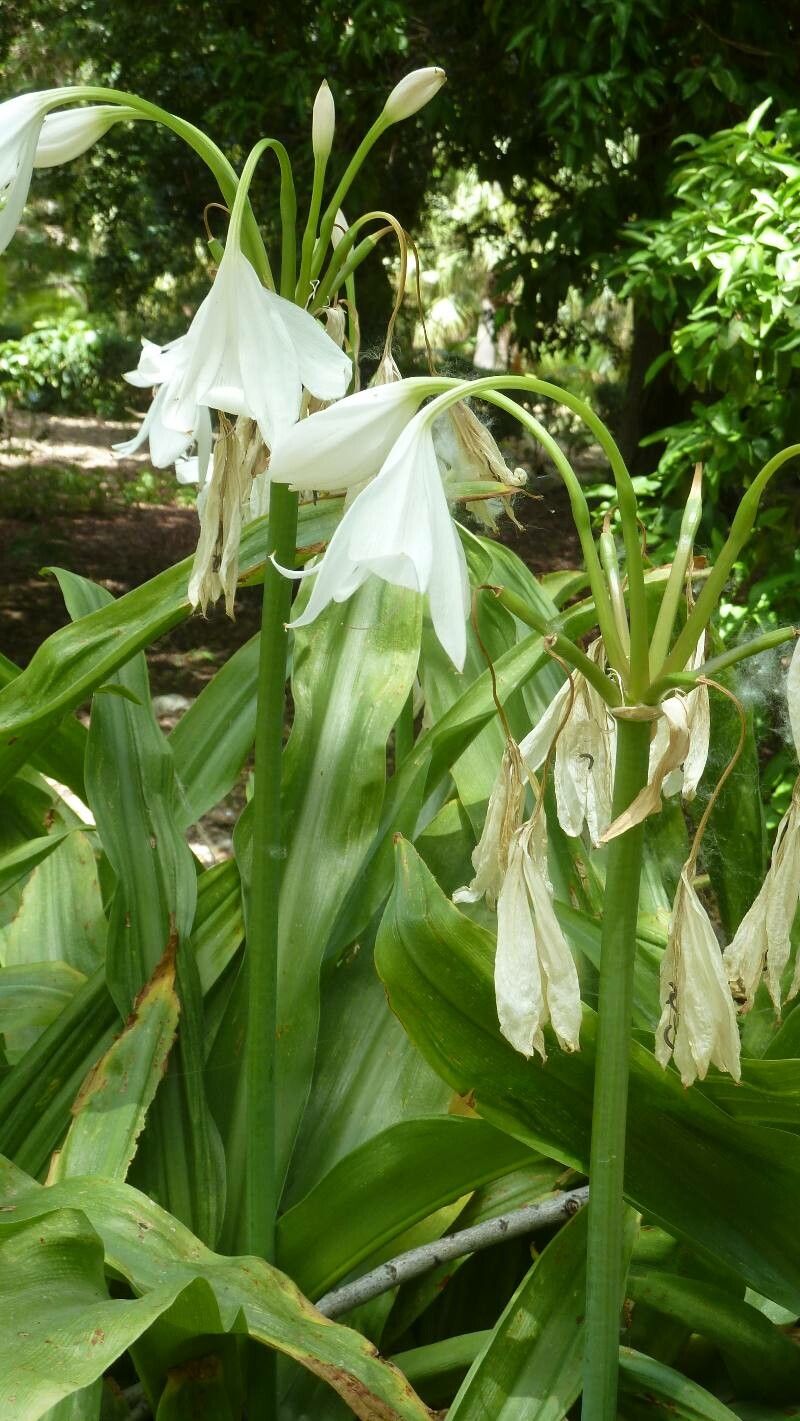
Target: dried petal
[503, 817]
[698, 1020]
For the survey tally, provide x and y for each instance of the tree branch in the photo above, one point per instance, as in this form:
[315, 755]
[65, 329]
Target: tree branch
[417, 1261]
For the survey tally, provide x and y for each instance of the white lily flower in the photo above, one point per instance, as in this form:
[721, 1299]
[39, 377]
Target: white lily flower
[24, 145]
[536, 980]
[249, 352]
[503, 818]
[158, 366]
[399, 529]
[348, 442]
[698, 1019]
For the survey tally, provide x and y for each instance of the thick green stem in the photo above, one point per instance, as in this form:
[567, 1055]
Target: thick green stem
[604, 1279]
[261, 1183]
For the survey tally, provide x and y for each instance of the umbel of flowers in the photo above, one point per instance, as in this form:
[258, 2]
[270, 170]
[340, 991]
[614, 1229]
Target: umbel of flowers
[259, 401]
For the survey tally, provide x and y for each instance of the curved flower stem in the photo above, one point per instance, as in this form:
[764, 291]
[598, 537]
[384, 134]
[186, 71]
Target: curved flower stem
[558, 642]
[712, 590]
[609, 1115]
[310, 230]
[610, 564]
[667, 612]
[687, 680]
[212, 156]
[329, 215]
[348, 256]
[582, 521]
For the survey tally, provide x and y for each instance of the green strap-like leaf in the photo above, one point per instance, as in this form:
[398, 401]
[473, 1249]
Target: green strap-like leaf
[55, 1261]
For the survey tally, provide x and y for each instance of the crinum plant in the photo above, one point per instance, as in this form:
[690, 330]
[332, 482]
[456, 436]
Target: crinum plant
[222, 1037]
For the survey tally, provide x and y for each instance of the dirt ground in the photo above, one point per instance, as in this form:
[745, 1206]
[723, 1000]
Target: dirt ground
[65, 500]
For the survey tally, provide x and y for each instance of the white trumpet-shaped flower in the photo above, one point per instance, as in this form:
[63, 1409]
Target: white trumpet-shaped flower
[503, 818]
[349, 442]
[158, 366]
[28, 139]
[698, 1020]
[249, 352]
[399, 528]
[762, 942]
[535, 977]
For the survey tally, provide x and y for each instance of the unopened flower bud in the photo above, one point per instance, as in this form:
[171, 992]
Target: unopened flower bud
[323, 121]
[413, 93]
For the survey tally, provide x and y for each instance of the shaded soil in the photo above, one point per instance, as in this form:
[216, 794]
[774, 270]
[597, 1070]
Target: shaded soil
[65, 501]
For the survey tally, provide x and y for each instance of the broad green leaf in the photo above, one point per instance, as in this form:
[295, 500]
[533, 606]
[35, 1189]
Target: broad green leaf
[644, 1381]
[16, 863]
[110, 1110]
[77, 658]
[764, 1363]
[60, 916]
[382, 1188]
[162, 1261]
[37, 1094]
[130, 781]
[61, 754]
[352, 672]
[728, 1189]
[368, 1076]
[31, 997]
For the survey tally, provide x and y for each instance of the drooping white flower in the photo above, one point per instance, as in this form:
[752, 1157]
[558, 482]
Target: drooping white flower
[536, 980]
[158, 366]
[698, 1019]
[249, 352]
[348, 442]
[399, 528]
[584, 752]
[25, 145]
[762, 942]
[503, 818]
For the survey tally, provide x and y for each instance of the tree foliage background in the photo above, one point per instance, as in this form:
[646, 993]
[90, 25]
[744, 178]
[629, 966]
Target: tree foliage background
[572, 110]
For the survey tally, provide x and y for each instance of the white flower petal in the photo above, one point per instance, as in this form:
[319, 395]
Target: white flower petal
[325, 370]
[562, 988]
[68, 133]
[348, 442]
[396, 530]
